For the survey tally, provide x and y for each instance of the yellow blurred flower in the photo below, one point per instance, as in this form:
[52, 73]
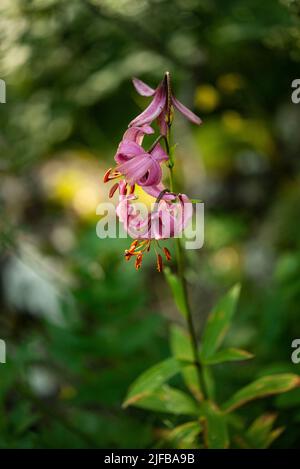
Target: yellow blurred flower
[230, 82]
[232, 121]
[74, 180]
[226, 260]
[207, 98]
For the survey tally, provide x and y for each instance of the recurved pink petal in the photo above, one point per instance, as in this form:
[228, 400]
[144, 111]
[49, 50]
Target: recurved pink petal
[152, 177]
[142, 88]
[159, 154]
[153, 110]
[136, 134]
[185, 111]
[135, 168]
[127, 150]
[156, 190]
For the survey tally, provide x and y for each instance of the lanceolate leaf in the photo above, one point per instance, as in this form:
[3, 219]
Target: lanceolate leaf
[268, 385]
[218, 323]
[215, 426]
[227, 355]
[177, 291]
[185, 436]
[260, 434]
[181, 344]
[182, 351]
[191, 379]
[168, 400]
[209, 381]
[151, 379]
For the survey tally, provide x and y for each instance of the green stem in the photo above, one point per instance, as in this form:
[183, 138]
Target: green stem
[180, 259]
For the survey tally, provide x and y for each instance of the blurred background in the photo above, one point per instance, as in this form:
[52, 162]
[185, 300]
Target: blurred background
[79, 323]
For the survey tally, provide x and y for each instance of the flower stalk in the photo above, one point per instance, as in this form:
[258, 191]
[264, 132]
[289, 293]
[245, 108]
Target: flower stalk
[180, 261]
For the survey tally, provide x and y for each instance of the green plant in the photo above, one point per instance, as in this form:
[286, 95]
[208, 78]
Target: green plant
[207, 422]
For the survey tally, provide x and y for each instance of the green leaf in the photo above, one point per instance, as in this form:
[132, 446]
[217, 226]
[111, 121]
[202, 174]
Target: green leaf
[190, 377]
[260, 434]
[181, 344]
[268, 385]
[209, 381]
[228, 355]
[177, 291]
[214, 426]
[182, 351]
[218, 323]
[168, 400]
[185, 436]
[151, 379]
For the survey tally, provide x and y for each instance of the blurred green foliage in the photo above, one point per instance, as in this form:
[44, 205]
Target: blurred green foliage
[80, 324]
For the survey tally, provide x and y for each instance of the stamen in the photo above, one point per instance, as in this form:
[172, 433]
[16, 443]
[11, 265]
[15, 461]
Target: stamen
[138, 261]
[133, 245]
[113, 189]
[131, 189]
[111, 174]
[106, 175]
[167, 254]
[127, 255]
[159, 263]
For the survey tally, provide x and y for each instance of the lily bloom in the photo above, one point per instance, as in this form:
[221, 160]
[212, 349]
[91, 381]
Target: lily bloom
[137, 165]
[161, 107]
[167, 219]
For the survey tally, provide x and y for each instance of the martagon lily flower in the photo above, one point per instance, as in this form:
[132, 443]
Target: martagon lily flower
[136, 166]
[167, 220]
[161, 106]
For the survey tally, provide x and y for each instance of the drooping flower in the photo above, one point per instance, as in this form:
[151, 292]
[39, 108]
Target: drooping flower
[161, 107]
[137, 165]
[167, 219]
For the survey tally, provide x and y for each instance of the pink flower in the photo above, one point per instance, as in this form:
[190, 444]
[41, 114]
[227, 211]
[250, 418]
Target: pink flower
[161, 106]
[167, 219]
[137, 165]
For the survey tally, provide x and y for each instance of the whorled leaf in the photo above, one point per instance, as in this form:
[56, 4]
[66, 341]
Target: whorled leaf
[181, 344]
[214, 426]
[218, 323]
[260, 434]
[167, 400]
[182, 351]
[268, 385]
[227, 355]
[151, 379]
[185, 436]
[177, 291]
